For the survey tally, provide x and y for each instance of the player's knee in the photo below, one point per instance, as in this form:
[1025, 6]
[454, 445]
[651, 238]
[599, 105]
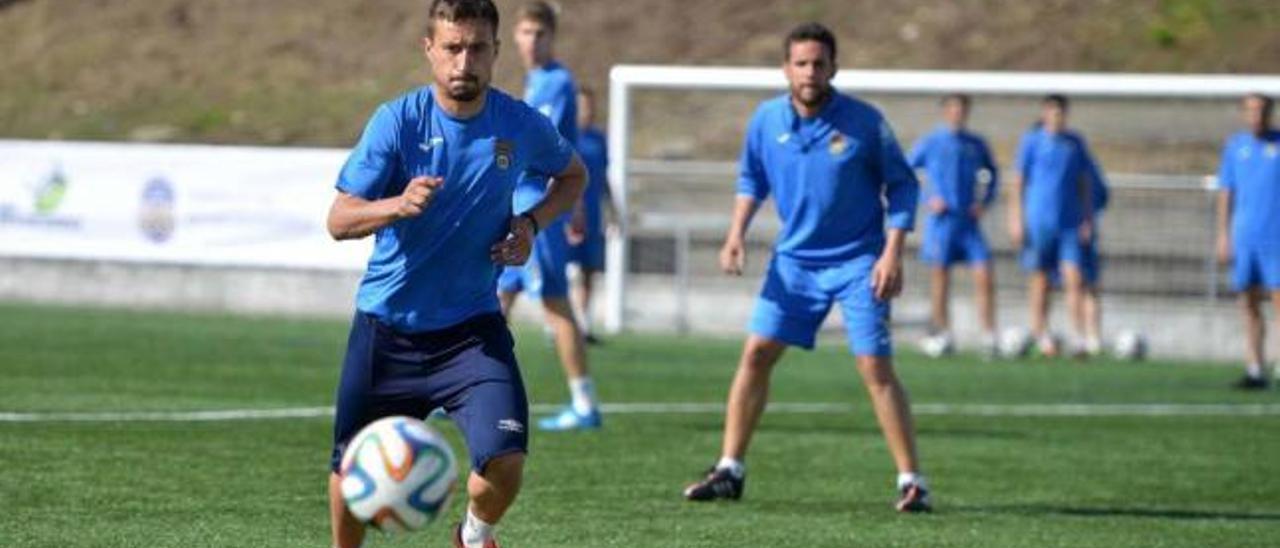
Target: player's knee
[505, 470]
[877, 372]
[760, 354]
[499, 479]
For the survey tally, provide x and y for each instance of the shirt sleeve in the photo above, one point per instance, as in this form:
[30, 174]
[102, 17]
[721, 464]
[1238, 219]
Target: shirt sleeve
[374, 159]
[918, 152]
[993, 172]
[549, 152]
[753, 182]
[1022, 162]
[563, 111]
[902, 190]
[1227, 171]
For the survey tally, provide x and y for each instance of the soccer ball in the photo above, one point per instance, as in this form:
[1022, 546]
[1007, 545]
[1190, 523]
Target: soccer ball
[1015, 342]
[937, 346]
[1130, 345]
[397, 474]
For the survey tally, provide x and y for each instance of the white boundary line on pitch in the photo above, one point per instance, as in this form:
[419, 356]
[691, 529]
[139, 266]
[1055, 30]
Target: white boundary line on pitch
[678, 408]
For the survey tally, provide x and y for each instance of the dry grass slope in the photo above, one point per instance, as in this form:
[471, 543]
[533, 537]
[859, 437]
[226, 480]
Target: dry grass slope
[309, 71]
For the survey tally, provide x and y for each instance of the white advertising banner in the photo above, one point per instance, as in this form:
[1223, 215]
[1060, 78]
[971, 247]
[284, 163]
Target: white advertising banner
[183, 204]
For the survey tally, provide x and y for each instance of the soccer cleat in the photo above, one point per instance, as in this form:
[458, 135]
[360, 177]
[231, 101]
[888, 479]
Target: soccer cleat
[457, 539]
[718, 484]
[1048, 346]
[1250, 382]
[592, 339]
[914, 498]
[569, 419]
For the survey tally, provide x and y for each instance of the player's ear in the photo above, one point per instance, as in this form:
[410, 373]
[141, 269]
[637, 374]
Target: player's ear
[426, 44]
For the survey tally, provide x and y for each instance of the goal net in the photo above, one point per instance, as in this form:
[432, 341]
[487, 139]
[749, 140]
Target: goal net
[675, 134]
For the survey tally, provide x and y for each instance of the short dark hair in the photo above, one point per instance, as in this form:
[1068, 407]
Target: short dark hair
[587, 91]
[1057, 99]
[810, 32]
[538, 11]
[962, 98]
[462, 10]
[1268, 104]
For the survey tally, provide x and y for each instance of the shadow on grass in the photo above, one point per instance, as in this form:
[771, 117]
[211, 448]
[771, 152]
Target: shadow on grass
[1122, 512]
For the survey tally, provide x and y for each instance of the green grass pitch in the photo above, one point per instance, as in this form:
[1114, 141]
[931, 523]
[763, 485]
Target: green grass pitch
[814, 479]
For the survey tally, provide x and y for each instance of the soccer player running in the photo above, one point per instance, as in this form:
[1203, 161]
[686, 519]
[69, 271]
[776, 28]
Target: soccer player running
[549, 89]
[587, 251]
[829, 160]
[432, 178]
[1051, 217]
[956, 161]
[1249, 226]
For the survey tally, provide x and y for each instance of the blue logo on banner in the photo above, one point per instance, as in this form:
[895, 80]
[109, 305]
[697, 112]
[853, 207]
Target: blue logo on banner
[155, 215]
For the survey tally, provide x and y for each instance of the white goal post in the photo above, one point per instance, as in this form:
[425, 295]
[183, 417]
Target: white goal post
[624, 79]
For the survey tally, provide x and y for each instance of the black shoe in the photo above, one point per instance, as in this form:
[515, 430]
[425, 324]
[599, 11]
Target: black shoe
[591, 339]
[1249, 382]
[914, 499]
[719, 484]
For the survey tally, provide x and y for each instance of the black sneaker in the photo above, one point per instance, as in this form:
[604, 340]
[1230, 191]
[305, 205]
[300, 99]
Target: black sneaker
[719, 484]
[914, 498]
[1250, 382]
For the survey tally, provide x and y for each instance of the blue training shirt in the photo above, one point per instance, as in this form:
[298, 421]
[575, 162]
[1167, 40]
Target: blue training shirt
[595, 154]
[831, 177]
[1052, 167]
[433, 271]
[1251, 171]
[549, 89]
[956, 162]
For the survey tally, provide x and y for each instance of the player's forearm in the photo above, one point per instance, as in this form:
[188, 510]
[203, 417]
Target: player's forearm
[1015, 201]
[744, 209]
[563, 193]
[895, 241]
[352, 218]
[1224, 213]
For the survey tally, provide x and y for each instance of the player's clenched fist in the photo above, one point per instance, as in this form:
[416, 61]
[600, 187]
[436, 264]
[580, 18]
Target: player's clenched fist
[417, 194]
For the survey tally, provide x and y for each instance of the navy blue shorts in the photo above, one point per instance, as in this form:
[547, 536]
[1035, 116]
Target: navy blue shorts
[468, 369]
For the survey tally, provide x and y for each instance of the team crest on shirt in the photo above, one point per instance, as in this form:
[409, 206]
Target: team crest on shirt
[502, 154]
[838, 144]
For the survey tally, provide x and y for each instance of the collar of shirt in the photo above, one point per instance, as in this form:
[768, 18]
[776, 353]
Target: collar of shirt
[805, 132]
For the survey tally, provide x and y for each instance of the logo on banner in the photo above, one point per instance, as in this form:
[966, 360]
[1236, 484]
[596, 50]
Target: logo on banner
[155, 214]
[47, 197]
[50, 192]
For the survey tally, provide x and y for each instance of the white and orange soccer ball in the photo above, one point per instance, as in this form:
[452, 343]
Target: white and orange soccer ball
[398, 474]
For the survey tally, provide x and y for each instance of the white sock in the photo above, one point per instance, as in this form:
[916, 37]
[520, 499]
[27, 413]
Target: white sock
[910, 478]
[734, 466]
[475, 532]
[1253, 370]
[583, 392]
